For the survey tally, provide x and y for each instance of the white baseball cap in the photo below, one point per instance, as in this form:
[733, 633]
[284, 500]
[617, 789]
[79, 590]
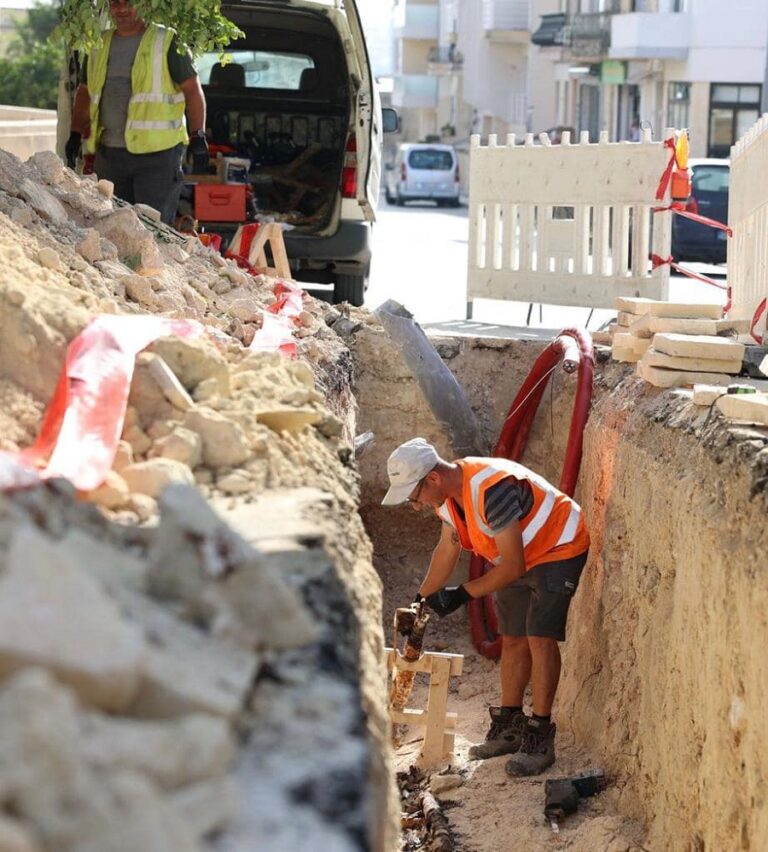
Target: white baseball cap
[406, 467]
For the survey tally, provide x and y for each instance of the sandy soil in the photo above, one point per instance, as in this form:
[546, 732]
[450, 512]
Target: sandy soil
[490, 812]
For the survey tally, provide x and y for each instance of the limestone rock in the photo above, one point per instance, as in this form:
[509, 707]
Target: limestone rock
[237, 482]
[152, 476]
[442, 783]
[123, 456]
[208, 806]
[137, 439]
[42, 201]
[285, 418]
[171, 387]
[140, 290]
[15, 838]
[113, 493]
[173, 753]
[182, 445]
[49, 258]
[53, 614]
[89, 247]
[149, 212]
[144, 507]
[699, 346]
[106, 188]
[133, 241]
[193, 361]
[225, 444]
[48, 165]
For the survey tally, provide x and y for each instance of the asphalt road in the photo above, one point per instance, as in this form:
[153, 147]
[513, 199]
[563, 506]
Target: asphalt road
[420, 260]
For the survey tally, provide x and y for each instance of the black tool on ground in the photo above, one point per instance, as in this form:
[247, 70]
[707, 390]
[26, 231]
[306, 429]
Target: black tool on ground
[562, 794]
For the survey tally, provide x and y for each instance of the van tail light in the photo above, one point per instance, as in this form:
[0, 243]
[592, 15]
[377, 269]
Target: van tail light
[349, 172]
[403, 173]
[692, 205]
[456, 178]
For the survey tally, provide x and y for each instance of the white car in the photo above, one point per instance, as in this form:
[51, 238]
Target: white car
[423, 172]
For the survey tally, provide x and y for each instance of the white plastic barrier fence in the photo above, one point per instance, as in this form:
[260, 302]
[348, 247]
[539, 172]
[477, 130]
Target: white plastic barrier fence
[567, 224]
[748, 217]
[25, 131]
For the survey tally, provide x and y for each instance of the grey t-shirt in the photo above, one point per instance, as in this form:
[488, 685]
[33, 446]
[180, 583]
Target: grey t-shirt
[113, 111]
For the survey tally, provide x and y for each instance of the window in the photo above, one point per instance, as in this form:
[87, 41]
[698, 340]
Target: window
[258, 69]
[709, 179]
[678, 104]
[431, 159]
[733, 109]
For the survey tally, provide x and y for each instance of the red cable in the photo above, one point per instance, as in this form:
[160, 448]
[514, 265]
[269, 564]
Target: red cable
[574, 347]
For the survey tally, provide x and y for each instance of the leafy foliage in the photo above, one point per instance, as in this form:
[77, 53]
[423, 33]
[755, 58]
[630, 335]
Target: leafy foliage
[29, 75]
[32, 79]
[199, 23]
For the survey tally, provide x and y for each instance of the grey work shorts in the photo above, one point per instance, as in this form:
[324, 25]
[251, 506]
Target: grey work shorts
[537, 603]
[153, 179]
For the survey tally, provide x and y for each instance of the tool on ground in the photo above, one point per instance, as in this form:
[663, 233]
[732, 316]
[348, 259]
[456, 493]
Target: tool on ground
[562, 794]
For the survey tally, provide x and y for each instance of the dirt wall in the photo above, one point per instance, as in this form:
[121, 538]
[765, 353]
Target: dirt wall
[664, 667]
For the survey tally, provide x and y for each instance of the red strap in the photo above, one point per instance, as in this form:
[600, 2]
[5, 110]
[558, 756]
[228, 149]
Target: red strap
[660, 261]
[667, 176]
[761, 309]
[679, 208]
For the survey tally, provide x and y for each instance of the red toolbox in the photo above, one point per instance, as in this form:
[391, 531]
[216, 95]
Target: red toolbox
[219, 202]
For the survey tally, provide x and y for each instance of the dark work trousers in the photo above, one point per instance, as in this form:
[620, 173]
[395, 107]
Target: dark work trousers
[153, 179]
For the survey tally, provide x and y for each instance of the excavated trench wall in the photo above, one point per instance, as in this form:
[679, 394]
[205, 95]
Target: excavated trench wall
[663, 674]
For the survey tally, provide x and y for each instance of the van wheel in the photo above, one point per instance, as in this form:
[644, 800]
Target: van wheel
[388, 195]
[349, 288]
[399, 200]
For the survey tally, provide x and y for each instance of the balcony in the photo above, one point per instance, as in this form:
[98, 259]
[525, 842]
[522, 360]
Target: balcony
[506, 21]
[588, 35]
[650, 35]
[444, 60]
[416, 21]
[415, 91]
[551, 31]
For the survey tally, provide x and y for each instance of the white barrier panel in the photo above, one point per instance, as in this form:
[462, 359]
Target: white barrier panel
[567, 224]
[25, 130]
[748, 217]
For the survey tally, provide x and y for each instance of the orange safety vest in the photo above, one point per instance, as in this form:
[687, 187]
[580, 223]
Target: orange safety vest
[553, 529]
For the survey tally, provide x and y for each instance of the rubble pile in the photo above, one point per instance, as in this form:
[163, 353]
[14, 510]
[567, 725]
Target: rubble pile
[169, 683]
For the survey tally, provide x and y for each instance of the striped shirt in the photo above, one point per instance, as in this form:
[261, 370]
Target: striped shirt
[508, 500]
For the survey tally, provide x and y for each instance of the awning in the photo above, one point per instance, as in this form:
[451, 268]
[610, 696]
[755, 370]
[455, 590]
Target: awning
[550, 32]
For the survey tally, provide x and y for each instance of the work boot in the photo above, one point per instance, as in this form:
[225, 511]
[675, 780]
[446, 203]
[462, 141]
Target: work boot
[536, 752]
[504, 734]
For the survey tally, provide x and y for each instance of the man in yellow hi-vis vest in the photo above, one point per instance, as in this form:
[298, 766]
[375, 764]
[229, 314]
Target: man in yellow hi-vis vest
[535, 538]
[135, 92]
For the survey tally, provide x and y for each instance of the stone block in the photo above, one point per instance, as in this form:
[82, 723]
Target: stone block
[152, 476]
[89, 247]
[649, 325]
[287, 419]
[750, 408]
[699, 346]
[49, 258]
[207, 807]
[168, 383]
[225, 443]
[54, 614]
[113, 493]
[661, 378]
[678, 362]
[677, 310]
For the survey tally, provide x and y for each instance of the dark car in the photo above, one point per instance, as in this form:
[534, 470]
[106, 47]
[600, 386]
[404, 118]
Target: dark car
[709, 197]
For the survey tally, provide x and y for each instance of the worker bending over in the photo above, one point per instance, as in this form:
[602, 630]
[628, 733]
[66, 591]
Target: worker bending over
[136, 88]
[536, 541]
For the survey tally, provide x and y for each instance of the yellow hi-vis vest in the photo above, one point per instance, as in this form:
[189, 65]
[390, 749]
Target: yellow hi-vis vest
[155, 120]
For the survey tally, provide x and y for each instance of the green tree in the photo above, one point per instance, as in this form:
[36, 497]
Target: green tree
[29, 75]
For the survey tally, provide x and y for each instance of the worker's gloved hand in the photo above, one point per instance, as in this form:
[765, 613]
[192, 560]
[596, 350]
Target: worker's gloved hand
[447, 600]
[72, 148]
[419, 597]
[198, 152]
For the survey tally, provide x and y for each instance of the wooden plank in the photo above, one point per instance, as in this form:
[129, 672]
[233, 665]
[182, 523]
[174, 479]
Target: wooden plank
[424, 663]
[418, 718]
[432, 748]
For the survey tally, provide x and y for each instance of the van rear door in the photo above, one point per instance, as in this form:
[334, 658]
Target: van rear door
[430, 171]
[368, 128]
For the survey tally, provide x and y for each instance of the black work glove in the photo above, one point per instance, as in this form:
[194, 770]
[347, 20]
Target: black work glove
[198, 151]
[72, 148]
[419, 597]
[447, 600]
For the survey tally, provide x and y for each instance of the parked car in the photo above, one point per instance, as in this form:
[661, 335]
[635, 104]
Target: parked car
[423, 172]
[709, 197]
[296, 107]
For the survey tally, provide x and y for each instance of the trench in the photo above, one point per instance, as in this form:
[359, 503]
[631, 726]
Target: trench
[661, 684]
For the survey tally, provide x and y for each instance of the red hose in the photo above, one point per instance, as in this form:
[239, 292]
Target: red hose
[574, 347]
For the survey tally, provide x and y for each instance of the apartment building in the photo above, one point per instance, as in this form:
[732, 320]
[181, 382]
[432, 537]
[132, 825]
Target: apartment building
[621, 64]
